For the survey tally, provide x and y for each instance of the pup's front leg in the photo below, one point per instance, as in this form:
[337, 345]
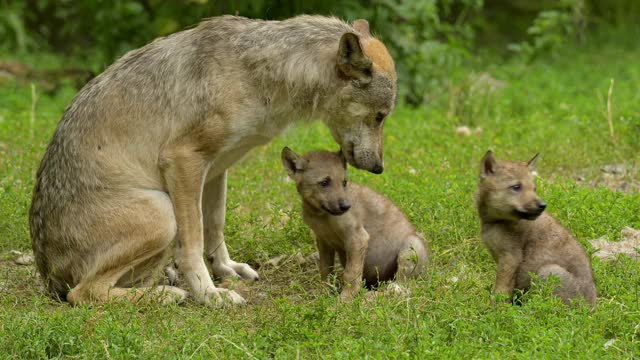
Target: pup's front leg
[356, 250]
[213, 205]
[506, 274]
[326, 259]
[184, 171]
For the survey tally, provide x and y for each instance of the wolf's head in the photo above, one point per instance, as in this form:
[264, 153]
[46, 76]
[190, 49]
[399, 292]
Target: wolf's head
[507, 191]
[365, 97]
[321, 179]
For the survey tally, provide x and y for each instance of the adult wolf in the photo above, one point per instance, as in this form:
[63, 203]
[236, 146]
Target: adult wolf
[140, 156]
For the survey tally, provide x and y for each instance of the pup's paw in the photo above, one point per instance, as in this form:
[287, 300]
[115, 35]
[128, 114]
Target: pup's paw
[371, 295]
[234, 269]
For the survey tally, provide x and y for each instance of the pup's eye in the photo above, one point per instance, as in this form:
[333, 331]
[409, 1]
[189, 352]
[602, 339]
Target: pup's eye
[516, 187]
[325, 182]
[380, 117]
[344, 183]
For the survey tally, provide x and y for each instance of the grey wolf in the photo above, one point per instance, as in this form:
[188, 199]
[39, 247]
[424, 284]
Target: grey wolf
[140, 156]
[525, 240]
[372, 237]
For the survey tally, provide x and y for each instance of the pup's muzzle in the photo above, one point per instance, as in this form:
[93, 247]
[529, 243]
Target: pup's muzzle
[532, 213]
[341, 207]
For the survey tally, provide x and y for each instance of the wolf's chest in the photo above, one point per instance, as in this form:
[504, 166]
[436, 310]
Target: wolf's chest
[327, 232]
[500, 240]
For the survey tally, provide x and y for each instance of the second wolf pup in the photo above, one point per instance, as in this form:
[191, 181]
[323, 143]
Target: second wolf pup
[522, 238]
[373, 238]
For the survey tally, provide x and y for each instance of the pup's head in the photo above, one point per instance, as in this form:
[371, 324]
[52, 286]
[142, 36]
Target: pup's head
[367, 95]
[321, 179]
[507, 191]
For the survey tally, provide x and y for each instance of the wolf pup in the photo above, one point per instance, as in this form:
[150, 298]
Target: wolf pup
[373, 238]
[522, 238]
[141, 154]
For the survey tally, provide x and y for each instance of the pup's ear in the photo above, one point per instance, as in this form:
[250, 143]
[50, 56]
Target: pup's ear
[362, 26]
[352, 62]
[291, 161]
[488, 165]
[531, 164]
[344, 159]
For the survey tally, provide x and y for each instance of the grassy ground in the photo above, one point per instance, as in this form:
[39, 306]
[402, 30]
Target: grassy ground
[556, 106]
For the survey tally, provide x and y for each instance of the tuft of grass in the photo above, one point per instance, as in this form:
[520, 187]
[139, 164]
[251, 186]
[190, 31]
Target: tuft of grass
[548, 106]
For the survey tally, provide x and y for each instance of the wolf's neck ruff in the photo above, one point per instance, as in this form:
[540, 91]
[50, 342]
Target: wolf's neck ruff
[306, 49]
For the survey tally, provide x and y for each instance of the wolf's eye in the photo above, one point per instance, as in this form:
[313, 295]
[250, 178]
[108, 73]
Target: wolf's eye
[516, 187]
[325, 182]
[344, 183]
[380, 117]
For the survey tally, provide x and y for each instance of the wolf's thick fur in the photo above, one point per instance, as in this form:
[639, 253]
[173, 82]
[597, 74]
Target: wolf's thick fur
[140, 156]
[372, 237]
[524, 239]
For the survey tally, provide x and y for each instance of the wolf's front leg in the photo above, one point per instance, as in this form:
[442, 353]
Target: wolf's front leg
[327, 256]
[184, 172]
[214, 205]
[356, 250]
[507, 267]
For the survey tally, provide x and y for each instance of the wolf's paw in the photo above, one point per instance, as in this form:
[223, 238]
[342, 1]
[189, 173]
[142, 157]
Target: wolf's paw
[500, 298]
[234, 269]
[171, 294]
[218, 297]
[348, 294]
[171, 274]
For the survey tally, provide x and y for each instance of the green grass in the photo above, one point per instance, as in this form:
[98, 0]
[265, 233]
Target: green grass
[554, 106]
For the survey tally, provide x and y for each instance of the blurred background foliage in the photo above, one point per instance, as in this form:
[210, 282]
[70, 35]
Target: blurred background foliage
[430, 39]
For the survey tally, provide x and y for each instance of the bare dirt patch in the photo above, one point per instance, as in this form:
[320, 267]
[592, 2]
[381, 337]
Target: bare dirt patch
[628, 245]
[18, 274]
[616, 177]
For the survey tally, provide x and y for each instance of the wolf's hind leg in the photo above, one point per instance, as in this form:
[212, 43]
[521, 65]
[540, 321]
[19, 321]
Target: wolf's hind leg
[568, 288]
[413, 260]
[134, 236]
[214, 198]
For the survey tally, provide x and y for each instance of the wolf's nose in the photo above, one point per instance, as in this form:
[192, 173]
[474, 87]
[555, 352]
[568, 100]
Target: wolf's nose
[344, 205]
[377, 169]
[542, 205]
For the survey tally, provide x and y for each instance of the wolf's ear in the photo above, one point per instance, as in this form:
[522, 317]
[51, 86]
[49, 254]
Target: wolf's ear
[344, 159]
[531, 164]
[488, 164]
[362, 26]
[352, 62]
[292, 162]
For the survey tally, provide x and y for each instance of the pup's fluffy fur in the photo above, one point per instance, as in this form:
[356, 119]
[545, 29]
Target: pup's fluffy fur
[372, 237]
[524, 239]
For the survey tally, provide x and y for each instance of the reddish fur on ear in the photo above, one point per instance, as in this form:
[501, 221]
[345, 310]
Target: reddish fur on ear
[362, 26]
[375, 50]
